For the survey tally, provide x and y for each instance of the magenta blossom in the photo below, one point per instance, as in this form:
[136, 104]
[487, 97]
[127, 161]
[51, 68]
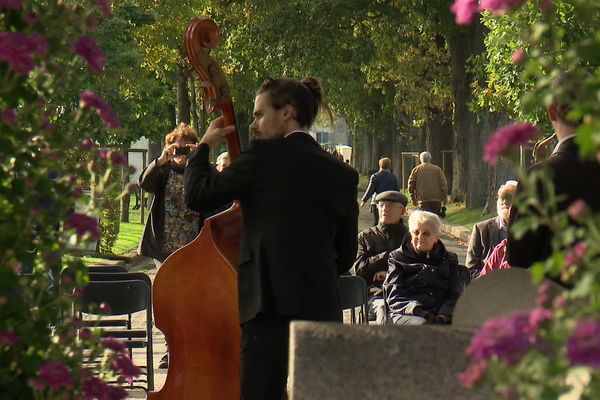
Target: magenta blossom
[87, 144]
[464, 11]
[473, 374]
[499, 7]
[8, 338]
[113, 344]
[89, 99]
[83, 224]
[17, 50]
[575, 254]
[517, 57]
[543, 294]
[56, 375]
[12, 4]
[125, 367]
[9, 117]
[504, 337]
[32, 18]
[117, 158]
[536, 318]
[578, 210]
[104, 6]
[583, 347]
[94, 388]
[89, 50]
[506, 138]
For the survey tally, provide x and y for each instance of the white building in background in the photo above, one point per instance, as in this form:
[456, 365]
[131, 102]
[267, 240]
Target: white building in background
[337, 137]
[137, 155]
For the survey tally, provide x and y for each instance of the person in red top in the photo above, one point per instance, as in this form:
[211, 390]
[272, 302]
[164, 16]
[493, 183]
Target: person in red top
[496, 260]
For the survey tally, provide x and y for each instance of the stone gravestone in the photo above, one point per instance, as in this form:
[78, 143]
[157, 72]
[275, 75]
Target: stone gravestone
[333, 361]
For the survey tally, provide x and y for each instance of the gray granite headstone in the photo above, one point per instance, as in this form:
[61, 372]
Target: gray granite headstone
[501, 292]
[331, 361]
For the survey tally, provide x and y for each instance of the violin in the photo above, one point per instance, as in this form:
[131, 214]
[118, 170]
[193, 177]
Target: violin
[195, 295]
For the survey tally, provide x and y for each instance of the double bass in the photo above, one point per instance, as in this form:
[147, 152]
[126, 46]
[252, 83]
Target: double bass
[195, 296]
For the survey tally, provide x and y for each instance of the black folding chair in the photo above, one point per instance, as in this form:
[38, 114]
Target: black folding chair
[125, 294]
[354, 295]
[106, 268]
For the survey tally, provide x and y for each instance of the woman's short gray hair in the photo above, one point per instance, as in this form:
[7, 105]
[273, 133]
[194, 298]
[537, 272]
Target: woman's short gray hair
[424, 218]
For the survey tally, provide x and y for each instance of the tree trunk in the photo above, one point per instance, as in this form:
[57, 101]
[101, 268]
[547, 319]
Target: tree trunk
[194, 105]
[127, 197]
[464, 43]
[183, 100]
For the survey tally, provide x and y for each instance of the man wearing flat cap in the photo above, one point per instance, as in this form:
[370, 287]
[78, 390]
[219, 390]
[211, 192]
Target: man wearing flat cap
[375, 245]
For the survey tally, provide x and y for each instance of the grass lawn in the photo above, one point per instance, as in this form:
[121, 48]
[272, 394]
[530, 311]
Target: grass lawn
[130, 232]
[457, 214]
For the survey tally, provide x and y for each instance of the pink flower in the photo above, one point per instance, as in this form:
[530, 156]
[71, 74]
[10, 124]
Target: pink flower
[543, 294]
[104, 7]
[504, 337]
[85, 334]
[32, 18]
[518, 56]
[9, 117]
[83, 224]
[499, 7]
[117, 158]
[8, 338]
[583, 347]
[113, 344]
[40, 44]
[56, 375]
[104, 308]
[125, 367]
[575, 254]
[577, 210]
[538, 317]
[505, 138]
[473, 374]
[464, 11]
[89, 99]
[547, 6]
[12, 4]
[94, 388]
[87, 144]
[89, 50]
[17, 49]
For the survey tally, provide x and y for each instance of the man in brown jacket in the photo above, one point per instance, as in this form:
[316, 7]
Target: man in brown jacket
[427, 185]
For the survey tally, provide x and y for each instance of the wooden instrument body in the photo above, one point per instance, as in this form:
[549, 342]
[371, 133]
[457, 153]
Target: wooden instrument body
[195, 295]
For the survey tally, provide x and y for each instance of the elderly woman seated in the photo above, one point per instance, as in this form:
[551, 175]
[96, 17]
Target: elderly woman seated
[422, 283]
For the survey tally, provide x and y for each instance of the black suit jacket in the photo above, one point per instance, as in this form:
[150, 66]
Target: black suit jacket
[573, 178]
[300, 218]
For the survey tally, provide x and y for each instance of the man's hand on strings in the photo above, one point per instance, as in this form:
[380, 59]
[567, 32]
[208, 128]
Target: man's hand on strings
[216, 132]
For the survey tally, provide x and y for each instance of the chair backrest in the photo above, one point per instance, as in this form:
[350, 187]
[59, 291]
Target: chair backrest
[106, 268]
[120, 276]
[354, 294]
[123, 297]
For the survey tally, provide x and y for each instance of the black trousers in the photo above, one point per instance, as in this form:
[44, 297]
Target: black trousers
[264, 357]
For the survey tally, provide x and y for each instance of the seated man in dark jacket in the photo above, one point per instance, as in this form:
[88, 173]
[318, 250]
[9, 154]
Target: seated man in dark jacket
[375, 245]
[422, 284]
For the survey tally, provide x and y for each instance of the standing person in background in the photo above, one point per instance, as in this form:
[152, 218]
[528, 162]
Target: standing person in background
[427, 185]
[381, 181]
[300, 216]
[487, 234]
[171, 224]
